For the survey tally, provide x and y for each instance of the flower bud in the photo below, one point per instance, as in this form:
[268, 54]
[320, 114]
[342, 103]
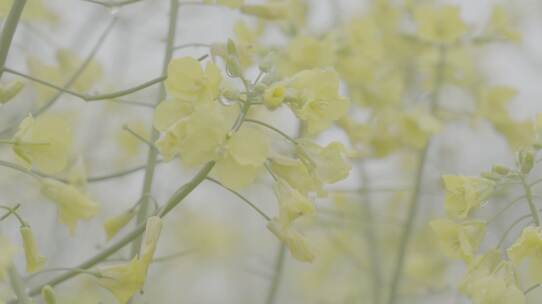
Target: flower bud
[48, 295]
[233, 67]
[114, 224]
[526, 161]
[500, 169]
[10, 90]
[34, 260]
[274, 96]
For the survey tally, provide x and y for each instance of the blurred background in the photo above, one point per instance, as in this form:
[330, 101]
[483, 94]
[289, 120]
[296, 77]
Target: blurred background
[228, 254]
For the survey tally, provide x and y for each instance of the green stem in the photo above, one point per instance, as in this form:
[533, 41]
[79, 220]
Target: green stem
[8, 31]
[152, 155]
[86, 97]
[74, 77]
[18, 168]
[530, 201]
[244, 199]
[279, 265]
[503, 210]
[112, 4]
[18, 286]
[415, 199]
[371, 236]
[150, 144]
[173, 201]
[190, 45]
[507, 231]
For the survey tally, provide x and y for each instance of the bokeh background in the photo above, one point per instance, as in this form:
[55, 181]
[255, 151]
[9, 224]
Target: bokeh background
[229, 251]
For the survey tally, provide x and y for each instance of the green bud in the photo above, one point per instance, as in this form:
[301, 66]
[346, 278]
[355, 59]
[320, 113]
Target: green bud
[526, 161]
[10, 90]
[232, 49]
[233, 67]
[48, 295]
[490, 175]
[501, 170]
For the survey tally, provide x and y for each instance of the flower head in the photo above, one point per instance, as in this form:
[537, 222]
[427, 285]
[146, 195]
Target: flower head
[72, 205]
[43, 143]
[460, 241]
[464, 193]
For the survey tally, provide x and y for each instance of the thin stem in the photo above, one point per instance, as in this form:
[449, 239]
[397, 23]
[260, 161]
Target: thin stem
[132, 103]
[75, 76]
[10, 211]
[139, 137]
[279, 265]
[530, 201]
[415, 199]
[244, 199]
[86, 97]
[18, 168]
[191, 45]
[270, 127]
[173, 201]
[112, 4]
[8, 31]
[118, 174]
[500, 212]
[371, 237]
[507, 231]
[81, 271]
[536, 182]
[535, 286]
[18, 285]
[173, 256]
[152, 154]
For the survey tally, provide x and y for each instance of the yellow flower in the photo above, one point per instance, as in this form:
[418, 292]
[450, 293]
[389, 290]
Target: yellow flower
[72, 205]
[464, 193]
[124, 280]
[490, 280]
[459, 241]
[500, 26]
[43, 143]
[197, 137]
[439, 25]
[34, 261]
[243, 158]
[116, 223]
[169, 112]
[292, 204]
[529, 247]
[329, 163]
[317, 101]
[295, 172]
[6, 256]
[274, 96]
[417, 127]
[10, 90]
[493, 106]
[305, 52]
[187, 81]
[295, 241]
